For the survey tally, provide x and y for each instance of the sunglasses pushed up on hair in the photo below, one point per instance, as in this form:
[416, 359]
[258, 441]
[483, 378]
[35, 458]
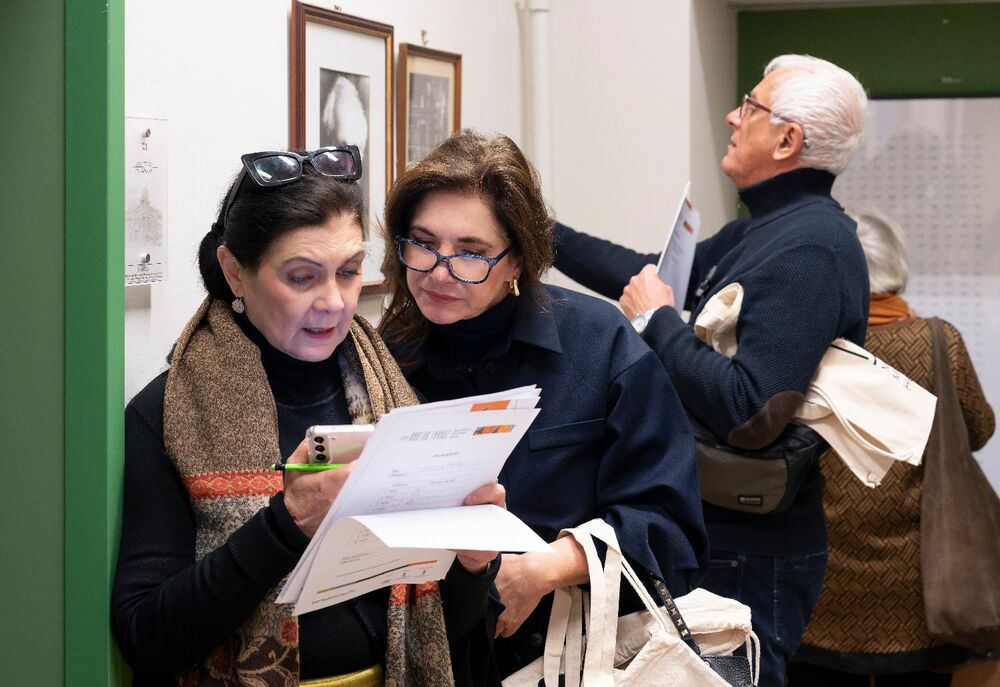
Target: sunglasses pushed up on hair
[276, 167]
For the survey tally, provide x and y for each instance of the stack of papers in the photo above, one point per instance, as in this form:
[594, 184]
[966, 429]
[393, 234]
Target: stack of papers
[401, 511]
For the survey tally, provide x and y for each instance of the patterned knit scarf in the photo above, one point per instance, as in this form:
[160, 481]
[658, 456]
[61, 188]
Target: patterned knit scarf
[218, 397]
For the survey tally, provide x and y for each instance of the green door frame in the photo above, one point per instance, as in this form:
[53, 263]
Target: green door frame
[95, 331]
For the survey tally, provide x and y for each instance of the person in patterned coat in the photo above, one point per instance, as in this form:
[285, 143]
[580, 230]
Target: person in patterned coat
[868, 627]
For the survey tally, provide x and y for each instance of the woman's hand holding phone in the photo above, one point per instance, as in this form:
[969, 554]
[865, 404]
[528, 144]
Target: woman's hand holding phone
[308, 495]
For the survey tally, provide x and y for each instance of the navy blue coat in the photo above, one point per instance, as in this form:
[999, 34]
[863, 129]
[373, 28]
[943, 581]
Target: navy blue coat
[611, 441]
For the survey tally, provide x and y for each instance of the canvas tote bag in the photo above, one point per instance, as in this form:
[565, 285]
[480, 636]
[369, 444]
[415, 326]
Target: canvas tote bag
[959, 524]
[589, 646]
[870, 413]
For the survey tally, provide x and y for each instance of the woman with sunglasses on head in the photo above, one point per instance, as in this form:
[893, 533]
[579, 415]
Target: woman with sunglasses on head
[209, 529]
[468, 237]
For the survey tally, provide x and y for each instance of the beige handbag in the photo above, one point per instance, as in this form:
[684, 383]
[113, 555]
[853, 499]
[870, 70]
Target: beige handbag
[588, 645]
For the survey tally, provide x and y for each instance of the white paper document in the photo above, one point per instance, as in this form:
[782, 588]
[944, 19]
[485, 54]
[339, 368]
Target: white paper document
[367, 552]
[397, 515]
[674, 266]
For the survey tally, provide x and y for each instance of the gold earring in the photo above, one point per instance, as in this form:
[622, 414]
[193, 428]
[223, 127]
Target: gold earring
[512, 285]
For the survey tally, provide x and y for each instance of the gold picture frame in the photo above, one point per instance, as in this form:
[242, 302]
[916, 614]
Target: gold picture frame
[428, 101]
[341, 92]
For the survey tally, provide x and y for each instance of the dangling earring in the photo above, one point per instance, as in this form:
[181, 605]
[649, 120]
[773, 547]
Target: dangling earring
[512, 285]
[238, 307]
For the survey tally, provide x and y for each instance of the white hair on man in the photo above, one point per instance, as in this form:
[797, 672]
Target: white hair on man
[826, 101]
[344, 116]
[884, 245]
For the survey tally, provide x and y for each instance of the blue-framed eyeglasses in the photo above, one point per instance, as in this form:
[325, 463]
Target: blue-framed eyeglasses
[467, 268]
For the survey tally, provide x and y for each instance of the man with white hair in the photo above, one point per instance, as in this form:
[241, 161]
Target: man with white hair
[804, 283]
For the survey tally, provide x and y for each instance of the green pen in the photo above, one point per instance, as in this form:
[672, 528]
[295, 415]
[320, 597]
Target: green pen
[306, 467]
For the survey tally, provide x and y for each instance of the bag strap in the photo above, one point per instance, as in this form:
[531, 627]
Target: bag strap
[942, 379]
[565, 640]
[558, 636]
[602, 531]
[602, 626]
[752, 643]
[675, 614]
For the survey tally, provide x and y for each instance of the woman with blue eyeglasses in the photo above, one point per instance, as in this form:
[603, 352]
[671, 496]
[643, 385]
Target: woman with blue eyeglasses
[210, 530]
[468, 237]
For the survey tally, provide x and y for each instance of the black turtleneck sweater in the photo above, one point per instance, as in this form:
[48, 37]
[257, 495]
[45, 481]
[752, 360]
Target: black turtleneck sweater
[804, 284]
[168, 609]
[462, 351]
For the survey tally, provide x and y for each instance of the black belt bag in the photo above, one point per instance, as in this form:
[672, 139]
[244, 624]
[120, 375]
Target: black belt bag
[764, 480]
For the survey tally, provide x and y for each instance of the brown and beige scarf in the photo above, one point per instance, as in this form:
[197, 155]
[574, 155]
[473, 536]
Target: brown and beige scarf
[220, 429]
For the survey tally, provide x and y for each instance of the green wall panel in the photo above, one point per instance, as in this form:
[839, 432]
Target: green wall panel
[31, 344]
[95, 311]
[895, 51]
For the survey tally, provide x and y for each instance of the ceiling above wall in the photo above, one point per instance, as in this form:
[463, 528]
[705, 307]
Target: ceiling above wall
[792, 4]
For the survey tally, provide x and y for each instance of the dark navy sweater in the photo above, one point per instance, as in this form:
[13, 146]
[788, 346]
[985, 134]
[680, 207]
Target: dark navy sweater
[805, 283]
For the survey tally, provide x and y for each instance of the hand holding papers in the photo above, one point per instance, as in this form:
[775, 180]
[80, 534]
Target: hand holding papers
[398, 514]
[674, 266]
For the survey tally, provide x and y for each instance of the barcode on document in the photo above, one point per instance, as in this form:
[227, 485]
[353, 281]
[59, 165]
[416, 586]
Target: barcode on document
[426, 436]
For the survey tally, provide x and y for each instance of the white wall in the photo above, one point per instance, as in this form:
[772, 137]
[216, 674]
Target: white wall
[713, 94]
[621, 79]
[640, 93]
[218, 72]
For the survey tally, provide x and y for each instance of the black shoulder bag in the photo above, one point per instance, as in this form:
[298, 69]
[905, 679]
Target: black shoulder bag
[761, 481]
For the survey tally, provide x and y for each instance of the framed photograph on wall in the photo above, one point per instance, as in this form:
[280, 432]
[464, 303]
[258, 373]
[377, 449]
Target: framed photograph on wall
[340, 93]
[428, 101]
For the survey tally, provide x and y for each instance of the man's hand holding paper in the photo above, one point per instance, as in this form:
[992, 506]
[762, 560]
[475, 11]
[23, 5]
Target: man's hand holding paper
[662, 284]
[645, 291]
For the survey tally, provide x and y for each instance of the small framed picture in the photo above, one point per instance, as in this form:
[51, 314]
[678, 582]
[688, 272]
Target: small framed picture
[428, 101]
[340, 93]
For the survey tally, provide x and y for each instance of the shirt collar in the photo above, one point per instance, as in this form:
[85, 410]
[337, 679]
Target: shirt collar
[535, 323]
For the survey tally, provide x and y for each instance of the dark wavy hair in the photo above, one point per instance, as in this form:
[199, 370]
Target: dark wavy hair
[261, 215]
[492, 169]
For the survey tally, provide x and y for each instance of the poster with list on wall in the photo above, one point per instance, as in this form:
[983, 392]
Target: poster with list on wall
[145, 200]
[931, 165]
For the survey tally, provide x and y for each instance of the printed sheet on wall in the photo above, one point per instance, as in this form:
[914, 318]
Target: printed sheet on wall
[932, 165]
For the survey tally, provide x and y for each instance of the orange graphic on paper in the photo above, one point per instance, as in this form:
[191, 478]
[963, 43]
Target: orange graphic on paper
[491, 405]
[494, 429]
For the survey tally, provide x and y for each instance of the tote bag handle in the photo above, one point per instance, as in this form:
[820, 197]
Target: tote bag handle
[602, 619]
[566, 636]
